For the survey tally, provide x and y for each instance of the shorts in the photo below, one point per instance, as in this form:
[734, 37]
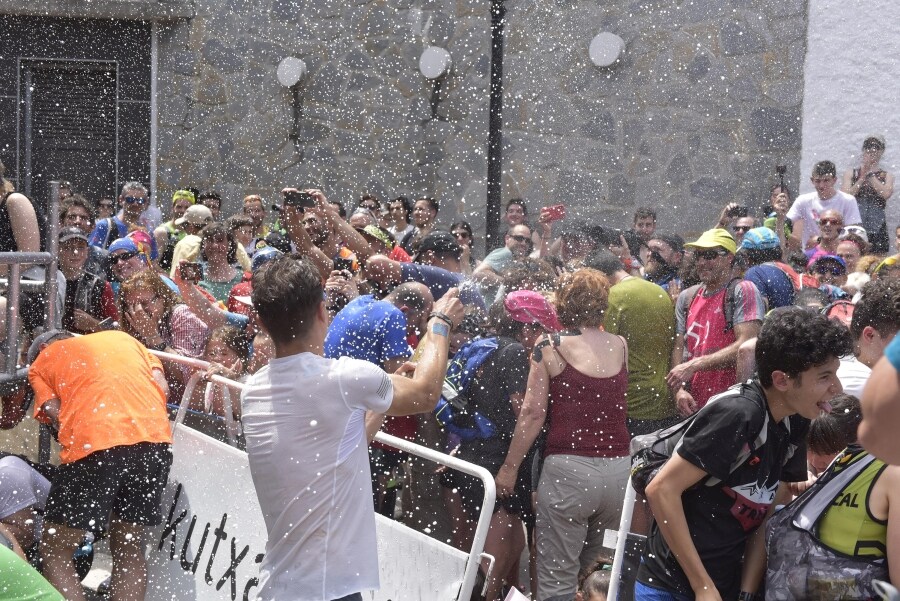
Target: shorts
[125, 480]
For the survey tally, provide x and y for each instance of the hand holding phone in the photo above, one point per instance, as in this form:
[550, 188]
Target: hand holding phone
[553, 213]
[190, 272]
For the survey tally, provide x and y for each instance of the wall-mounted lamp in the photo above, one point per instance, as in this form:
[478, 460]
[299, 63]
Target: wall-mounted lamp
[434, 64]
[290, 73]
[605, 49]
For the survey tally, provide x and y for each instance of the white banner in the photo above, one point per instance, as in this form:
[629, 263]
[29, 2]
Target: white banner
[212, 537]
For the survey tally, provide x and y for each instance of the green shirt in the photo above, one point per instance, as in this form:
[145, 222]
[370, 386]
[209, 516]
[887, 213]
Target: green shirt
[21, 582]
[643, 314]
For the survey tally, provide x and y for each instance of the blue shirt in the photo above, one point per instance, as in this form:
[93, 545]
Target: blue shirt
[439, 281]
[775, 286]
[892, 352]
[368, 329]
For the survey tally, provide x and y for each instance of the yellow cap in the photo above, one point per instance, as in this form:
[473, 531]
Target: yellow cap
[183, 194]
[716, 237]
[888, 262]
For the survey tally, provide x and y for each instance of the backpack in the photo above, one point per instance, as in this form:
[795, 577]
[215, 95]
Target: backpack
[802, 567]
[111, 225]
[452, 409]
[649, 452]
[727, 302]
[798, 280]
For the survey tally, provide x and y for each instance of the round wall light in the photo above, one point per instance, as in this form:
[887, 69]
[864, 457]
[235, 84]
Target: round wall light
[290, 71]
[435, 62]
[606, 48]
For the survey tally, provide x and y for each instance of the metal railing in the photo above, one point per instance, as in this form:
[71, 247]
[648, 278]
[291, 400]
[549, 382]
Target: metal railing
[490, 494]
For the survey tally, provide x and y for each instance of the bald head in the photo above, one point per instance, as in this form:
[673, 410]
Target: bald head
[416, 302]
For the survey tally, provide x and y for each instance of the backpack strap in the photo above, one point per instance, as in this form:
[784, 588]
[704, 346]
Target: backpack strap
[729, 302]
[821, 494]
[109, 226]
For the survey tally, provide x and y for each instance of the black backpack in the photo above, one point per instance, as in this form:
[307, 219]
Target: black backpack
[649, 452]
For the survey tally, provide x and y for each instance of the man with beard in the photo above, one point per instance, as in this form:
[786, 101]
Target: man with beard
[712, 320]
[666, 253]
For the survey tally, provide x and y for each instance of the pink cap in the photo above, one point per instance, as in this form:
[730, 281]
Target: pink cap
[527, 306]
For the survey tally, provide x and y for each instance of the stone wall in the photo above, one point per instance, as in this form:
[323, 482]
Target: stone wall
[704, 102]
[367, 125]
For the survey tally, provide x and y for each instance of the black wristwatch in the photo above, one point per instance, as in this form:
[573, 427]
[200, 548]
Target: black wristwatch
[745, 596]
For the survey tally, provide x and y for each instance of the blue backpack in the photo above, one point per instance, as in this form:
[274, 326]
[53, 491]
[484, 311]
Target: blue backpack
[452, 410]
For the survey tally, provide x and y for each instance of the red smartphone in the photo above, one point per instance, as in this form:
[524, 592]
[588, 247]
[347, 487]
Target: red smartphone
[556, 212]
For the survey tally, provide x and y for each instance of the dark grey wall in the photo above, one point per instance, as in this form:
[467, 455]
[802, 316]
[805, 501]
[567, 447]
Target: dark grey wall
[122, 47]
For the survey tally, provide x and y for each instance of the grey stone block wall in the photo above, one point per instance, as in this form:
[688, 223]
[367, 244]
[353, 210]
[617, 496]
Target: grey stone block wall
[704, 102]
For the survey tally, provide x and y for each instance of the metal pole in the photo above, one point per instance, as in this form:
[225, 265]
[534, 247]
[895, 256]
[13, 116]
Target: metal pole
[495, 128]
[624, 526]
[53, 249]
[12, 318]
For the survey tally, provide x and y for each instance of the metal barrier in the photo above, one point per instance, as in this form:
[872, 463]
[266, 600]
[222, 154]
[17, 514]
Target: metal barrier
[167, 569]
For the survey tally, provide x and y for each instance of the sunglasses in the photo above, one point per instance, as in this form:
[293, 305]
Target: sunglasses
[833, 270]
[461, 234]
[829, 222]
[710, 254]
[105, 205]
[135, 199]
[115, 259]
[520, 238]
[741, 228]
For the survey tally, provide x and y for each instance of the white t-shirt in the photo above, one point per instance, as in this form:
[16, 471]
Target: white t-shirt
[22, 486]
[303, 418]
[853, 375]
[809, 207]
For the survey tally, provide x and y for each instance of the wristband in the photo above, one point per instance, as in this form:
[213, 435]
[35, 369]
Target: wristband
[440, 329]
[745, 596]
[442, 316]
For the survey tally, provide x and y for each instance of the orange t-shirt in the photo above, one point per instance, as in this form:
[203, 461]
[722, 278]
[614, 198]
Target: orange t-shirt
[108, 397]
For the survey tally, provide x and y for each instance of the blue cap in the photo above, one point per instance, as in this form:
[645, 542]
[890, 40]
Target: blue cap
[263, 256]
[760, 238]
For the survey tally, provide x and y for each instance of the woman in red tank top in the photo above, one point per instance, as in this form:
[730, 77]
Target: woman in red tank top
[577, 381]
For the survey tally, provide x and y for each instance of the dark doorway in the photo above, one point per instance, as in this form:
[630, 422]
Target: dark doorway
[69, 122]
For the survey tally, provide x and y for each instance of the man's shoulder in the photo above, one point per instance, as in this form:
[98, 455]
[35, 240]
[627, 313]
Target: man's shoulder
[842, 196]
[634, 287]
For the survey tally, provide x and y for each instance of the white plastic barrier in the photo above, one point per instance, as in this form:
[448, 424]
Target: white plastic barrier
[212, 537]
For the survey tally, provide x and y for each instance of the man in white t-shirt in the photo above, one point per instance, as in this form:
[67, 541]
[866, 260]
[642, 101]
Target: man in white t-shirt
[874, 324]
[807, 208]
[304, 421]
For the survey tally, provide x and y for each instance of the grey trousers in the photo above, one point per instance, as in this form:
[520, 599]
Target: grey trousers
[578, 498]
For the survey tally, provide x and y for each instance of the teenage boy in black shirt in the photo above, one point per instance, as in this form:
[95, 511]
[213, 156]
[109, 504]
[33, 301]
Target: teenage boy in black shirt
[706, 541]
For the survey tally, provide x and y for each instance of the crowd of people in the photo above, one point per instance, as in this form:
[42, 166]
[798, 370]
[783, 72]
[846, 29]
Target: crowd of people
[540, 362]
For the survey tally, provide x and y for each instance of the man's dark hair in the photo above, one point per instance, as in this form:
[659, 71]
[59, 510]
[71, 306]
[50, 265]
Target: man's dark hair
[341, 210]
[877, 307]
[756, 256]
[824, 168]
[407, 206]
[794, 340]
[286, 295]
[517, 201]
[807, 296]
[501, 322]
[237, 220]
[831, 432]
[77, 200]
[209, 195]
[435, 206]
[644, 213]
[366, 197]
[529, 274]
[603, 260]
